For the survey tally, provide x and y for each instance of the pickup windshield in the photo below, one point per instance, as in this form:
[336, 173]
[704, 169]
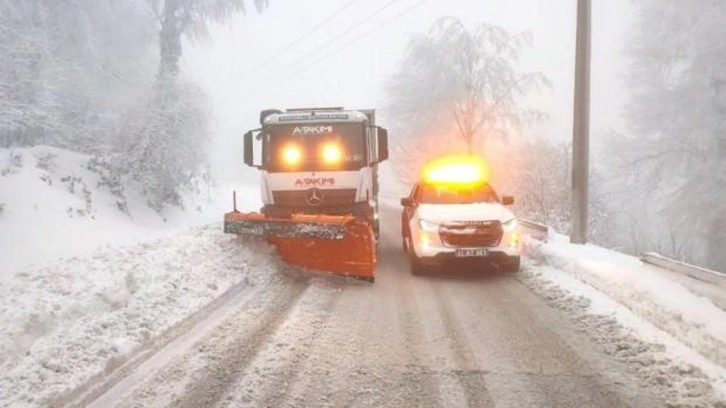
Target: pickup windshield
[454, 194]
[310, 141]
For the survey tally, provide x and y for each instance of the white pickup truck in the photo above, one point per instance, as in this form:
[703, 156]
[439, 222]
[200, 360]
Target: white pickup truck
[445, 221]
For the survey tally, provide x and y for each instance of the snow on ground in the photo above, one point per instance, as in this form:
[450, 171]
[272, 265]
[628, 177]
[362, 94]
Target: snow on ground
[51, 205]
[126, 273]
[644, 317]
[65, 323]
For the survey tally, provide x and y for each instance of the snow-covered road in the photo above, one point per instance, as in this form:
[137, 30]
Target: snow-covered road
[447, 340]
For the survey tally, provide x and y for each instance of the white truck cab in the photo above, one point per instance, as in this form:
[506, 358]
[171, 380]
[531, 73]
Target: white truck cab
[445, 221]
[319, 161]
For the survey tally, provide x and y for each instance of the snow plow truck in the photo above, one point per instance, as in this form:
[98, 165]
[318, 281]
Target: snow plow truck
[319, 187]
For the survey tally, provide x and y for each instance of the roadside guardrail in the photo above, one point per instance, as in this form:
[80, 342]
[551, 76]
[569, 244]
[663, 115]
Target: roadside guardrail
[536, 230]
[696, 272]
[540, 232]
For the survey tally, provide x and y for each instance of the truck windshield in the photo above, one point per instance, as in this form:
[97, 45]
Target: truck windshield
[315, 147]
[454, 194]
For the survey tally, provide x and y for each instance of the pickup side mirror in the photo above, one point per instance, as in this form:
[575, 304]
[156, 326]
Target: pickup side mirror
[507, 200]
[382, 144]
[406, 202]
[249, 155]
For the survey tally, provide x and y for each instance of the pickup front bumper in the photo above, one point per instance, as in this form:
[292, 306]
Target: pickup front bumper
[494, 255]
[431, 250]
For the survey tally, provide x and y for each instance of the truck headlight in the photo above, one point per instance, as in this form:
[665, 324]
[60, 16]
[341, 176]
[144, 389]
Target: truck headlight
[510, 226]
[428, 225]
[332, 153]
[292, 155]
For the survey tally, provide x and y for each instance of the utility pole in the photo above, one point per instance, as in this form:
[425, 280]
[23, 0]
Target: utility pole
[581, 126]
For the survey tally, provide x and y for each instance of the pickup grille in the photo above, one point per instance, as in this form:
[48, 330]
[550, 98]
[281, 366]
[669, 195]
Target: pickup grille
[484, 234]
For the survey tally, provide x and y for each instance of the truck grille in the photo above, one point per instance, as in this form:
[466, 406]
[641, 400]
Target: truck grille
[330, 198]
[483, 234]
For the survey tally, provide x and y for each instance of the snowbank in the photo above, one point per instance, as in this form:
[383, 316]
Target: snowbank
[52, 205]
[642, 298]
[66, 323]
[127, 273]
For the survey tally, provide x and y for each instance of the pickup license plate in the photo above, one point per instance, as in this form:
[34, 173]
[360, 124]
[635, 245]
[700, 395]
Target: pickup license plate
[470, 252]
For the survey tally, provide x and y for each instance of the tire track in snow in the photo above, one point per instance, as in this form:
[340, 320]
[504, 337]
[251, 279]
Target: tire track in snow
[409, 315]
[276, 392]
[410, 319]
[469, 375]
[99, 393]
[225, 365]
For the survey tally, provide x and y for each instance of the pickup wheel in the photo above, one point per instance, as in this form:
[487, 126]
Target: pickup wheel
[404, 238]
[414, 264]
[405, 233]
[511, 264]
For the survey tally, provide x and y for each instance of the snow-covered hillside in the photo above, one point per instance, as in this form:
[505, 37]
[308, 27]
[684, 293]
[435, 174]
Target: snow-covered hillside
[68, 322]
[54, 203]
[89, 275]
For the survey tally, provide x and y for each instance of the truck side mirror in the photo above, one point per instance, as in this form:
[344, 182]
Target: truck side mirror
[406, 202]
[382, 144]
[249, 149]
[507, 200]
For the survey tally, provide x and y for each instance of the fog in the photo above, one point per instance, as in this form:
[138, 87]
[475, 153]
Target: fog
[355, 76]
[142, 263]
[158, 93]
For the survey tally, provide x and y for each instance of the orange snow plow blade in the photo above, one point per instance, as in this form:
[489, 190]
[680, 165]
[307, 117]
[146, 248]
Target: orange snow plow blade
[343, 245]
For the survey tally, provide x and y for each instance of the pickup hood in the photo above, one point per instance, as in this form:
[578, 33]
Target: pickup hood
[442, 213]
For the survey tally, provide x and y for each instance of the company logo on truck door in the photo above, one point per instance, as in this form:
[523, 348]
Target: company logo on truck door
[312, 130]
[309, 182]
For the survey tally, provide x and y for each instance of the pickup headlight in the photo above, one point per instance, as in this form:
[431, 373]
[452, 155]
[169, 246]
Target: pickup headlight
[510, 225]
[428, 225]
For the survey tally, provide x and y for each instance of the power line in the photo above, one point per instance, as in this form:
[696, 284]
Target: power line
[363, 35]
[291, 69]
[342, 34]
[307, 34]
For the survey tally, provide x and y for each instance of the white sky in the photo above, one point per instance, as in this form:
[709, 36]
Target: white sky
[355, 76]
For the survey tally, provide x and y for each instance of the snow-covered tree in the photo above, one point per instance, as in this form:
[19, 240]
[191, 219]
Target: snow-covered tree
[69, 69]
[102, 77]
[539, 174]
[540, 178]
[169, 145]
[458, 89]
[672, 160]
[179, 18]
[170, 150]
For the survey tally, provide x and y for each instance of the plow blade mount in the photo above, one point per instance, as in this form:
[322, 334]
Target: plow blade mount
[343, 245]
